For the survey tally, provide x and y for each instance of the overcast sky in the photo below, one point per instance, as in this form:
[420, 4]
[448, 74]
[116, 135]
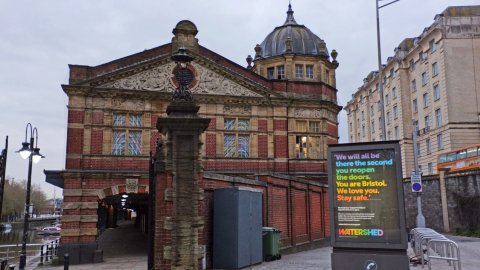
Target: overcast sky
[38, 39]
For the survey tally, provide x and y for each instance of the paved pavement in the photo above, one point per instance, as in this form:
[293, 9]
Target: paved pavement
[124, 248]
[121, 254]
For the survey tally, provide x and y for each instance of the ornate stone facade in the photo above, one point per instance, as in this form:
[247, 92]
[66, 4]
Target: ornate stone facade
[255, 133]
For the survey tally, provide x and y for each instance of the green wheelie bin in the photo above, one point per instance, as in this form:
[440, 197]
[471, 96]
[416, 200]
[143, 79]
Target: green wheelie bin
[271, 244]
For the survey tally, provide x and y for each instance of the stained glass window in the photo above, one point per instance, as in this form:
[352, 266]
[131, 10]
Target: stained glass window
[127, 141]
[229, 145]
[118, 147]
[235, 144]
[119, 120]
[244, 146]
[229, 124]
[243, 124]
[135, 143]
[135, 120]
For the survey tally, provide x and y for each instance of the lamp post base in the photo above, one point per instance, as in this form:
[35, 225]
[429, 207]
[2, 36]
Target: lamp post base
[23, 261]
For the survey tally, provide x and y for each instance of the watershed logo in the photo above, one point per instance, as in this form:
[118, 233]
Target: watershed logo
[360, 232]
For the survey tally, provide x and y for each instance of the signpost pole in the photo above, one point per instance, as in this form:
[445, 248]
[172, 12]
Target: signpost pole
[420, 218]
[3, 169]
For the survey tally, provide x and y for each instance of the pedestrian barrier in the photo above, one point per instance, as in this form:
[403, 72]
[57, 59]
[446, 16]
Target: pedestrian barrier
[428, 242]
[10, 254]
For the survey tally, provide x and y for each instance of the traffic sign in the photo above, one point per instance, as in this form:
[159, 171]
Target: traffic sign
[416, 180]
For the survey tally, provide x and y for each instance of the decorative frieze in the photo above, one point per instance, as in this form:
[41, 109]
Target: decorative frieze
[160, 79]
[237, 110]
[128, 104]
[215, 84]
[156, 78]
[314, 113]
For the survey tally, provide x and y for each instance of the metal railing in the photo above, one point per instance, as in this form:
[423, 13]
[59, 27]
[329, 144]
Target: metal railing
[428, 242]
[36, 253]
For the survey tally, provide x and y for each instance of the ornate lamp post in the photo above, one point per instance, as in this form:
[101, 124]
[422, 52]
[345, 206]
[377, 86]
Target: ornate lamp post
[183, 75]
[33, 154]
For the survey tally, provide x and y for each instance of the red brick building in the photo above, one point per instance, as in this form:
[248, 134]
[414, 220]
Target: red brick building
[269, 129]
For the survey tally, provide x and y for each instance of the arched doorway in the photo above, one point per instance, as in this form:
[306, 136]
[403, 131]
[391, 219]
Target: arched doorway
[123, 225]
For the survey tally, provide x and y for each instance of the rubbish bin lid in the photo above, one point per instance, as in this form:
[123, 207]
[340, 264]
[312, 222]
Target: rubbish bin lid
[270, 229]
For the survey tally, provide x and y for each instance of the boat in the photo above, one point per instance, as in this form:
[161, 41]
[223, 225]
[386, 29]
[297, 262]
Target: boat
[5, 226]
[53, 230]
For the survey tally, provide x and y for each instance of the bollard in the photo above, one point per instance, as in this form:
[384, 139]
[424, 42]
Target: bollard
[11, 267]
[41, 254]
[51, 251]
[3, 265]
[56, 247]
[66, 261]
[46, 253]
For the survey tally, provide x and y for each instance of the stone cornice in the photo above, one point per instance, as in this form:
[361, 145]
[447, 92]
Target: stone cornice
[87, 91]
[103, 174]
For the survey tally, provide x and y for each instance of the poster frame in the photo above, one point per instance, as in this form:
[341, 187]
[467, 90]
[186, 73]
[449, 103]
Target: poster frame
[349, 147]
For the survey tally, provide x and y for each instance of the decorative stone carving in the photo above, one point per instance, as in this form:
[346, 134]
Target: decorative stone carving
[131, 185]
[159, 79]
[215, 84]
[127, 104]
[313, 113]
[237, 110]
[114, 190]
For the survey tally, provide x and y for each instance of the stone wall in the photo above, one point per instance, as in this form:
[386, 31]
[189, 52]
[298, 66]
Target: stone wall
[461, 187]
[463, 195]
[431, 204]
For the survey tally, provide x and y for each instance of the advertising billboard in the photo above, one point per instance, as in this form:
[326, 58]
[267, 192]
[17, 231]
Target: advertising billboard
[366, 196]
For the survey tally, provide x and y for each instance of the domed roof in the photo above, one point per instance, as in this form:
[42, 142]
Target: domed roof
[292, 37]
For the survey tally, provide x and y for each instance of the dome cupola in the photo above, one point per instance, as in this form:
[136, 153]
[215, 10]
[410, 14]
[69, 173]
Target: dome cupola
[293, 38]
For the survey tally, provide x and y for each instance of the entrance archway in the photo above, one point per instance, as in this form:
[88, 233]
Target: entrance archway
[122, 225]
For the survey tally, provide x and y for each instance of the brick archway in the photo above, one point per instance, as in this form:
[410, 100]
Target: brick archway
[83, 195]
[119, 189]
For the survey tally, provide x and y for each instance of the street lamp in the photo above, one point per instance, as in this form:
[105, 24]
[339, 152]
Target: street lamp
[33, 154]
[380, 85]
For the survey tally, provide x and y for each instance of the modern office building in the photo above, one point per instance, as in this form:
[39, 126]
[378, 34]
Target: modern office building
[432, 82]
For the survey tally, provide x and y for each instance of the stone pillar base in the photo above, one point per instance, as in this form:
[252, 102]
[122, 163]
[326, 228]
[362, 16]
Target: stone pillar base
[81, 253]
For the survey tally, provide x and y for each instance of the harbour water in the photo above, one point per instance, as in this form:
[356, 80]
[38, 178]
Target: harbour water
[13, 236]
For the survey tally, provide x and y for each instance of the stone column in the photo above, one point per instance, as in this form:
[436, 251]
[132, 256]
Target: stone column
[179, 190]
